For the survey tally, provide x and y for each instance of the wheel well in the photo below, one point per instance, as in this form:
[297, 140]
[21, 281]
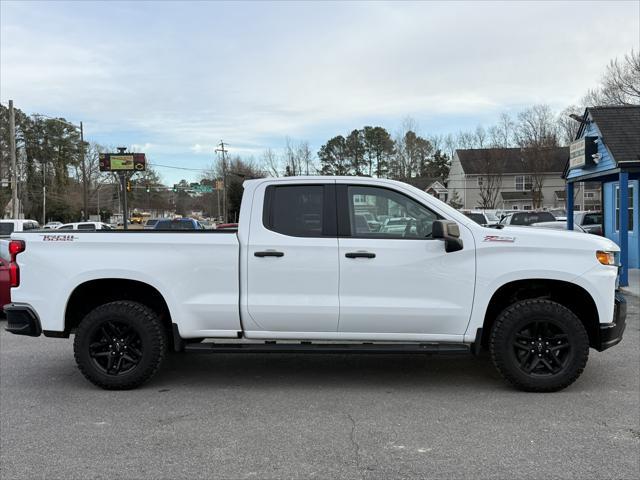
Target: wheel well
[570, 295]
[94, 293]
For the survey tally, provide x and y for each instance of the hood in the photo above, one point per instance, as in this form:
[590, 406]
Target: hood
[546, 237]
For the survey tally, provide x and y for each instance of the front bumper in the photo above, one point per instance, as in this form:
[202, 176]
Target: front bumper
[22, 320]
[611, 333]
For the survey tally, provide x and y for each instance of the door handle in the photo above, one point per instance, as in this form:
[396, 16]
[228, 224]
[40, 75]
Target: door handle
[360, 255]
[269, 253]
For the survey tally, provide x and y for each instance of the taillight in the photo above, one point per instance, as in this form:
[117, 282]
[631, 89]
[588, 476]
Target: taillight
[15, 247]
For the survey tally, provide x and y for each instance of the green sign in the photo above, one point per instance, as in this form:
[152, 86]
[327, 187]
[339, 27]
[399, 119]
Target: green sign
[203, 188]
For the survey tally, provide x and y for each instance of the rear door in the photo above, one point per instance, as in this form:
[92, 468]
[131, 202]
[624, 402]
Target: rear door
[395, 280]
[292, 259]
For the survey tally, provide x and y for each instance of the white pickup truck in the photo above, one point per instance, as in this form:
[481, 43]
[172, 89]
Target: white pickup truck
[322, 265]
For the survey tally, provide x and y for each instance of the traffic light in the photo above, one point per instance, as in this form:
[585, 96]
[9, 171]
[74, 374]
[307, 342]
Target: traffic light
[128, 185]
[148, 189]
[175, 188]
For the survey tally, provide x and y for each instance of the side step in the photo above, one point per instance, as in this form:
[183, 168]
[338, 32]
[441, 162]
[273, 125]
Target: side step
[325, 348]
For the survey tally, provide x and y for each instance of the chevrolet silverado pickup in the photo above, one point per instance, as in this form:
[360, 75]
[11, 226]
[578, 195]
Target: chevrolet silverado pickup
[322, 265]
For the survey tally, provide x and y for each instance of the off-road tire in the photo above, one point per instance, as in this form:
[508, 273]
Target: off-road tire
[526, 312]
[151, 338]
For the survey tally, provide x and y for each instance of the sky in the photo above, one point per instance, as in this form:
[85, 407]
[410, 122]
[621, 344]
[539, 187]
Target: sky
[173, 79]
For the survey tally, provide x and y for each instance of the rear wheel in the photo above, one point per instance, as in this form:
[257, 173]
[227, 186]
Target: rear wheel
[120, 345]
[539, 345]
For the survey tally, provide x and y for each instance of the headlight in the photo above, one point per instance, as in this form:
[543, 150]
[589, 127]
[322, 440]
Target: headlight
[606, 258]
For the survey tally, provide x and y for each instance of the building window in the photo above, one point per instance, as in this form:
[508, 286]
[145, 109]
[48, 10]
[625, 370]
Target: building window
[589, 195]
[524, 183]
[629, 210]
[480, 181]
[526, 207]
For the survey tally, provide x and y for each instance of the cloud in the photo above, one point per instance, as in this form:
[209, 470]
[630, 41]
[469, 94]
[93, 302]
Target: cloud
[163, 78]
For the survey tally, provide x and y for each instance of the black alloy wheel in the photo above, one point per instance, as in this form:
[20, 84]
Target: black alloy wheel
[120, 345]
[116, 347]
[542, 348]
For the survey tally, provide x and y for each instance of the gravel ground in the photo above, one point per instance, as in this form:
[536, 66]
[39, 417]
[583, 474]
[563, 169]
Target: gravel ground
[320, 416]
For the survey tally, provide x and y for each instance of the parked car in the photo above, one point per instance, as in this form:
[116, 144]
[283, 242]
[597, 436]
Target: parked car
[5, 289]
[52, 225]
[300, 276]
[178, 224]
[89, 226]
[151, 223]
[559, 225]
[558, 213]
[8, 226]
[590, 221]
[477, 216]
[526, 218]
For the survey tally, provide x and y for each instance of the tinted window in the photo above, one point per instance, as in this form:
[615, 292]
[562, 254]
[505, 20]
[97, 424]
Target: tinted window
[592, 219]
[296, 210]
[86, 226]
[531, 217]
[66, 227]
[183, 224]
[151, 223]
[477, 217]
[6, 228]
[406, 218]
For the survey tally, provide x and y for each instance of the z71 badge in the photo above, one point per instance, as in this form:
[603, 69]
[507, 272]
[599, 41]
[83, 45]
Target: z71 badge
[499, 238]
[58, 238]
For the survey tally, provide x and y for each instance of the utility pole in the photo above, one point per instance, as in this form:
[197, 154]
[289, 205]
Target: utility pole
[44, 193]
[224, 179]
[123, 182]
[85, 187]
[12, 154]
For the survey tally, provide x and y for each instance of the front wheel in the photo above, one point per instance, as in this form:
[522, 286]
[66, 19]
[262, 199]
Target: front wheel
[120, 345]
[539, 345]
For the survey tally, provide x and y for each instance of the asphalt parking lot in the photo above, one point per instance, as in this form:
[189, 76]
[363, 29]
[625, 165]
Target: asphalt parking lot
[313, 416]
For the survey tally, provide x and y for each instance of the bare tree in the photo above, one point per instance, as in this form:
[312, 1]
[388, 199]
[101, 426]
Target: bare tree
[502, 133]
[620, 84]
[537, 136]
[567, 126]
[480, 135]
[271, 163]
[492, 166]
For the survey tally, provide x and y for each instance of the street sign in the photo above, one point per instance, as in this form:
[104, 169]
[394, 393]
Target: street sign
[122, 162]
[203, 188]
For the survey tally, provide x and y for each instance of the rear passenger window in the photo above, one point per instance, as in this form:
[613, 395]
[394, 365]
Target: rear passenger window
[86, 226]
[295, 210]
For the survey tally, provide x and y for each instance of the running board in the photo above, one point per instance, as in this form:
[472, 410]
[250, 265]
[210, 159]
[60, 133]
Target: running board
[326, 348]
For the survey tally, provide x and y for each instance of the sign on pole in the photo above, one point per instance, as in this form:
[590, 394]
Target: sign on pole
[123, 162]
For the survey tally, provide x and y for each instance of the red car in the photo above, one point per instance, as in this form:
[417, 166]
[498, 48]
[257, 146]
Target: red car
[5, 290]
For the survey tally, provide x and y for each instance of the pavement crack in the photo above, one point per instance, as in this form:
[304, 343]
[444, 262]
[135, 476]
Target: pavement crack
[352, 437]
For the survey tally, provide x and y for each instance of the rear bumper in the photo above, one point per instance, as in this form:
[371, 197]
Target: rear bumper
[22, 320]
[611, 333]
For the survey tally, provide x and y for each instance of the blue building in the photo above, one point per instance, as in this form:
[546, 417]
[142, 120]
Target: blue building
[607, 150]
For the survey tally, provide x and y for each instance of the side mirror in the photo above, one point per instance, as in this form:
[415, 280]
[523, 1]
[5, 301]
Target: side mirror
[448, 231]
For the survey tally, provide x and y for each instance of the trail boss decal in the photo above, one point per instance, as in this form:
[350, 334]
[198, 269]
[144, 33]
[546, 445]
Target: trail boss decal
[58, 238]
[499, 238]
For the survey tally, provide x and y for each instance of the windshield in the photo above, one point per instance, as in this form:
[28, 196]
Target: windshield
[6, 228]
[151, 223]
[491, 216]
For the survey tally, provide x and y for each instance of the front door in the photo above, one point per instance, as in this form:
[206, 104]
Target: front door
[394, 278]
[292, 260]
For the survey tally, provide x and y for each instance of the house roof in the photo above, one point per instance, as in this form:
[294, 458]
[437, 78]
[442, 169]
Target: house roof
[437, 187]
[420, 182]
[517, 195]
[620, 128]
[479, 161]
